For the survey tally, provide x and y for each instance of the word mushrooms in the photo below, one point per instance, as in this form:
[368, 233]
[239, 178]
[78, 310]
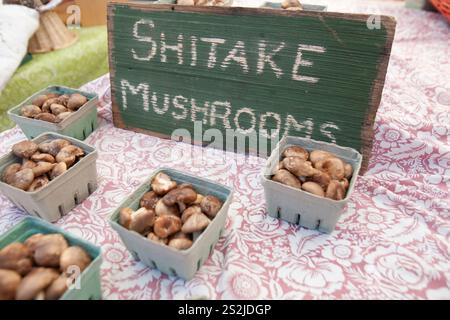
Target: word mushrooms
[41, 268]
[41, 163]
[171, 214]
[52, 107]
[319, 172]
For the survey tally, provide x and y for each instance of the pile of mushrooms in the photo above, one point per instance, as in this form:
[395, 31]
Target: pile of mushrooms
[171, 214]
[52, 107]
[41, 163]
[202, 2]
[291, 5]
[41, 268]
[319, 172]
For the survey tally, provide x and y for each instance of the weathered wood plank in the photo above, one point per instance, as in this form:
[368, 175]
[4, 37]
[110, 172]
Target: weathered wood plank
[317, 74]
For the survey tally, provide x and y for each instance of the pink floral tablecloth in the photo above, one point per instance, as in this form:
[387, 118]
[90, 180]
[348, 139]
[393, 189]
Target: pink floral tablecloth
[393, 240]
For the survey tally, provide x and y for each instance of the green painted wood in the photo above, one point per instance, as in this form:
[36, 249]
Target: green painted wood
[324, 79]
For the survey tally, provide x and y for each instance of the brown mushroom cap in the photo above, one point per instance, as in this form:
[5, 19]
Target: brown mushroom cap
[45, 157]
[63, 116]
[296, 151]
[10, 171]
[195, 223]
[42, 168]
[125, 217]
[285, 177]
[142, 220]
[161, 209]
[335, 190]
[299, 167]
[46, 116]
[74, 256]
[9, 282]
[199, 199]
[32, 242]
[22, 179]
[35, 282]
[321, 178]
[180, 243]
[53, 146]
[333, 166]
[28, 164]
[39, 100]
[166, 226]
[211, 205]
[319, 155]
[76, 101]
[30, 111]
[63, 99]
[46, 105]
[57, 288]
[149, 200]
[69, 154]
[57, 109]
[190, 211]
[152, 236]
[38, 183]
[58, 170]
[48, 250]
[182, 194]
[16, 256]
[24, 149]
[313, 188]
[162, 184]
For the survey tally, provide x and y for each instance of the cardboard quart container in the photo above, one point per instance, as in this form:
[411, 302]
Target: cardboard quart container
[298, 206]
[89, 288]
[79, 125]
[181, 263]
[61, 194]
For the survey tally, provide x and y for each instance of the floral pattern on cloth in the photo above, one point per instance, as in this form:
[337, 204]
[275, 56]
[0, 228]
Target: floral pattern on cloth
[391, 242]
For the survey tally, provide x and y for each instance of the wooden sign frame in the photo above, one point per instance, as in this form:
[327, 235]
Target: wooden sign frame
[366, 134]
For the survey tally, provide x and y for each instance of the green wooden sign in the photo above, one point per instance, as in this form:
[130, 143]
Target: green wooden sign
[245, 71]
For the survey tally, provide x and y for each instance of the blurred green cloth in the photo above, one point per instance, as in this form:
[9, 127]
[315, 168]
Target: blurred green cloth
[82, 62]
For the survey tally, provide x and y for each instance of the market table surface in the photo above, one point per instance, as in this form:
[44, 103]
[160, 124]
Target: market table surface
[392, 241]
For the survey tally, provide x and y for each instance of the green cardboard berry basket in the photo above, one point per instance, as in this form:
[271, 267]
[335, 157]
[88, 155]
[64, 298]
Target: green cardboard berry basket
[181, 263]
[79, 125]
[90, 287]
[63, 193]
[298, 206]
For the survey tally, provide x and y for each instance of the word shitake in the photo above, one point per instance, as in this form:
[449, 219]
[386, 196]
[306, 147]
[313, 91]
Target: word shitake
[171, 214]
[319, 172]
[41, 163]
[41, 268]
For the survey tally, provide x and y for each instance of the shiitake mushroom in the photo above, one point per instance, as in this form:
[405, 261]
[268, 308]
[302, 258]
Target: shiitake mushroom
[17, 257]
[48, 250]
[25, 149]
[211, 205]
[9, 282]
[162, 184]
[74, 256]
